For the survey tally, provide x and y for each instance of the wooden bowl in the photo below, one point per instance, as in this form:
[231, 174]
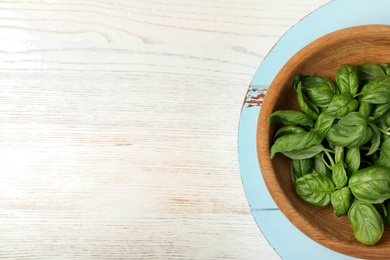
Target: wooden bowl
[355, 45]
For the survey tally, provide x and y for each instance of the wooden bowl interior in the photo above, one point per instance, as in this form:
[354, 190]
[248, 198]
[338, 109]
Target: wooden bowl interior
[322, 57]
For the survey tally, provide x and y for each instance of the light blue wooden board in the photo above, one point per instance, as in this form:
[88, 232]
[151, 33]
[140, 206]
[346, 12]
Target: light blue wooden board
[291, 245]
[287, 240]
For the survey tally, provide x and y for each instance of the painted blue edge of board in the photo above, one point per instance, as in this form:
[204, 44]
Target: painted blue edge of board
[274, 225]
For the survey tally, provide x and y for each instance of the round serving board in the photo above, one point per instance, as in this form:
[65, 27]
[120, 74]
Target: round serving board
[284, 237]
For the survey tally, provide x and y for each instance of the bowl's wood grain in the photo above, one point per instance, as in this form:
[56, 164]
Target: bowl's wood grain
[322, 57]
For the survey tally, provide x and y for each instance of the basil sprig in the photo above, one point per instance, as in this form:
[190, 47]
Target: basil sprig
[339, 145]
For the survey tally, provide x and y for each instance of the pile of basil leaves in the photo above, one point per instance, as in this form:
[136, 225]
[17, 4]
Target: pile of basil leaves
[339, 145]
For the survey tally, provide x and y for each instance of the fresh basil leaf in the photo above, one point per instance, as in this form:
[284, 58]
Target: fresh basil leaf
[338, 154]
[366, 222]
[323, 124]
[384, 126]
[375, 139]
[315, 188]
[365, 108]
[386, 120]
[352, 160]
[383, 121]
[386, 68]
[353, 118]
[306, 106]
[288, 143]
[350, 131]
[320, 166]
[347, 79]
[304, 153]
[318, 90]
[288, 129]
[301, 167]
[290, 117]
[298, 79]
[380, 110]
[376, 91]
[341, 105]
[384, 156]
[371, 184]
[341, 201]
[368, 70]
[339, 175]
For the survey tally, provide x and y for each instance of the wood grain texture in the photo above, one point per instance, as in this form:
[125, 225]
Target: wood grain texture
[118, 126]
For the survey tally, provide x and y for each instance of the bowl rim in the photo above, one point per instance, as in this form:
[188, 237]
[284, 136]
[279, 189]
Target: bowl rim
[262, 142]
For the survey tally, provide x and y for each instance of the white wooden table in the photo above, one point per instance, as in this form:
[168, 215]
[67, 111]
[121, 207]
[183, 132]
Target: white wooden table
[118, 126]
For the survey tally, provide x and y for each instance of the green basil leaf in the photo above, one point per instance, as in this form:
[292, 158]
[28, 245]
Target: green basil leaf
[366, 222]
[339, 175]
[380, 110]
[290, 117]
[364, 108]
[385, 67]
[375, 139]
[383, 123]
[318, 90]
[371, 184]
[287, 130]
[352, 119]
[386, 120]
[304, 153]
[338, 154]
[347, 79]
[368, 70]
[320, 166]
[376, 91]
[315, 188]
[384, 156]
[306, 106]
[341, 105]
[323, 124]
[341, 201]
[300, 168]
[350, 131]
[352, 160]
[288, 143]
